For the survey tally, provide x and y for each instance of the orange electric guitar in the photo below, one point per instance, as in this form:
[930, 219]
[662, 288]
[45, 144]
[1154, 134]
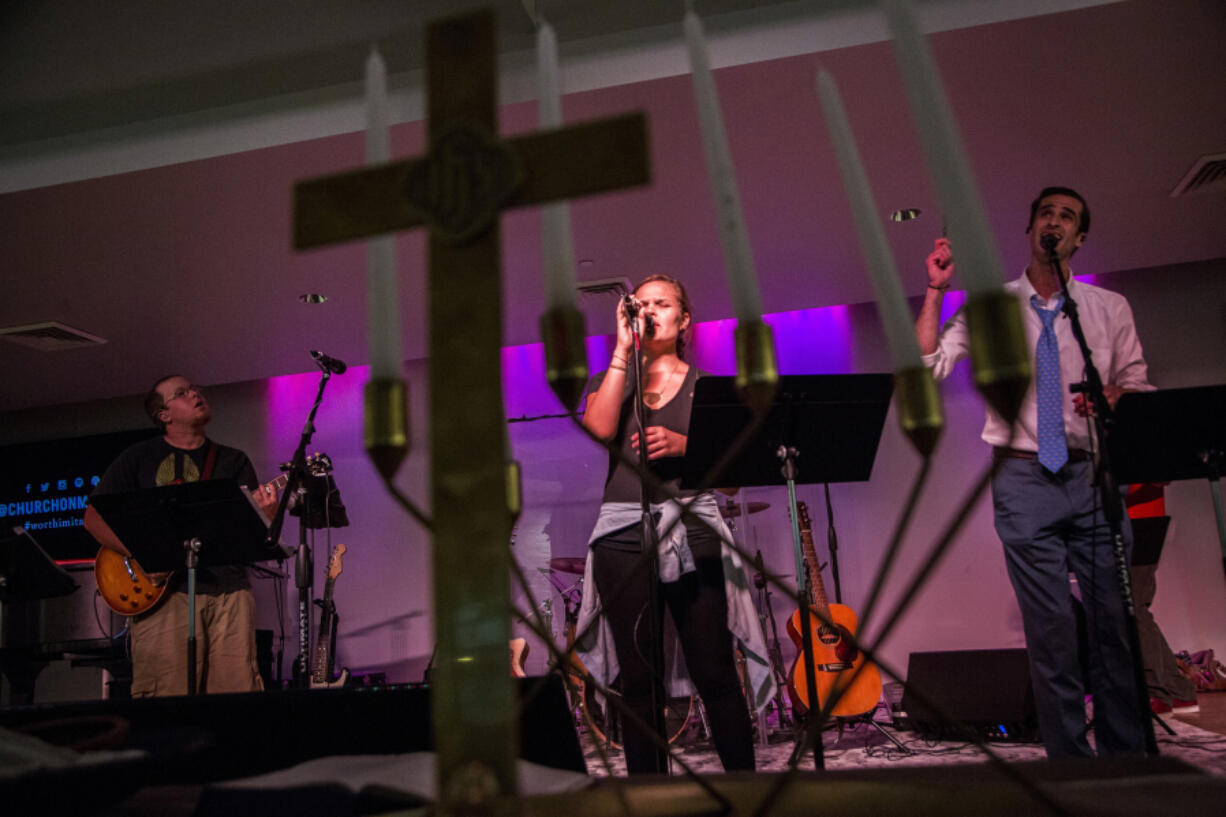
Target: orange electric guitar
[835, 659]
[125, 587]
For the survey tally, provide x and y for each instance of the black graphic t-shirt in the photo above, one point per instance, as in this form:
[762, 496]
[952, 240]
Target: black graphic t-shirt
[154, 463]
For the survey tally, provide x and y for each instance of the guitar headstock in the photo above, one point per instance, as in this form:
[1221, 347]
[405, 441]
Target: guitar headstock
[334, 562]
[802, 515]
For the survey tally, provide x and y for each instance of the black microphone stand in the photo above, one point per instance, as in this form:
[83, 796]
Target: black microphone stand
[1112, 502]
[303, 567]
[832, 542]
[650, 541]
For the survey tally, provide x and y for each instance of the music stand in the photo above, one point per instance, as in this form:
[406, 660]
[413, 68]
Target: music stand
[210, 523]
[27, 576]
[1171, 435]
[832, 423]
[27, 573]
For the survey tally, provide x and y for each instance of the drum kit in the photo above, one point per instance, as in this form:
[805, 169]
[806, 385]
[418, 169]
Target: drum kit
[589, 706]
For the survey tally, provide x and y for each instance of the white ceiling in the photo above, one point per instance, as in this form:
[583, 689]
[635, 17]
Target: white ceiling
[175, 112]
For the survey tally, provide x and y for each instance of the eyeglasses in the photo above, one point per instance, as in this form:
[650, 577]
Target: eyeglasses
[183, 393]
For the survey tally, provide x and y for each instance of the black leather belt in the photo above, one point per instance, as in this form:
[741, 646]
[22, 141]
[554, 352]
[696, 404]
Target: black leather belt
[1002, 452]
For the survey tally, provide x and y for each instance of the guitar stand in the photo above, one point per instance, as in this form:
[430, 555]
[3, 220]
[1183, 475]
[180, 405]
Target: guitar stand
[842, 723]
[868, 718]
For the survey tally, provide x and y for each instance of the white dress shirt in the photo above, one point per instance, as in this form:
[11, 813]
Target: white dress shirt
[1110, 332]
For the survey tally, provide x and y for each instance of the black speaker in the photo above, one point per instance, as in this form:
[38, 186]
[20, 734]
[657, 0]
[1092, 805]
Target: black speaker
[959, 693]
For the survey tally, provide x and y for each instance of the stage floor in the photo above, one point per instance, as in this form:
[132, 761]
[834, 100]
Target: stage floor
[863, 747]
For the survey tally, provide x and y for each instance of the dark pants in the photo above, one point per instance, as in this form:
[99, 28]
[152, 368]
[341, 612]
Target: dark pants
[699, 611]
[1051, 525]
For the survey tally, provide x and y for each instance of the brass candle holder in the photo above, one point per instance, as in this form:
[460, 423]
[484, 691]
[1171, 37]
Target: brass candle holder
[919, 408]
[385, 423]
[757, 374]
[562, 330]
[999, 356]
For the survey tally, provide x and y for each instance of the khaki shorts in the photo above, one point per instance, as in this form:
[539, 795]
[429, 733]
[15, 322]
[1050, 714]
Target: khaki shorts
[225, 646]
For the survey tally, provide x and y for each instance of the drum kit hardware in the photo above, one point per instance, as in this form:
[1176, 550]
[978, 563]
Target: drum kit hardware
[731, 511]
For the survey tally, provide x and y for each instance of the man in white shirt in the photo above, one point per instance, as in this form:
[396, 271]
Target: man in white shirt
[1048, 514]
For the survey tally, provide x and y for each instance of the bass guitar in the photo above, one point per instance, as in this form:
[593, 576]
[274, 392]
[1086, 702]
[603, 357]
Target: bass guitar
[836, 661]
[321, 674]
[124, 585]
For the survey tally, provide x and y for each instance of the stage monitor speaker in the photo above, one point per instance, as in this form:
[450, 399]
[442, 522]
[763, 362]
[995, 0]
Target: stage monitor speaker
[985, 693]
[218, 737]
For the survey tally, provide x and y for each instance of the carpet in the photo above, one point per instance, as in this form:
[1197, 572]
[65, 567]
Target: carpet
[862, 746]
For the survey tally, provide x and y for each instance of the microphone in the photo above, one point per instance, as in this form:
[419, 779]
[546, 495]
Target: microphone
[328, 364]
[649, 326]
[631, 305]
[1048, 243]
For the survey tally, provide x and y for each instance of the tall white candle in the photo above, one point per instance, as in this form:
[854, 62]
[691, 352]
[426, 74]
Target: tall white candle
[738, 258]
[382, 287]
[556, 246]
[977, 257]
[891, 304]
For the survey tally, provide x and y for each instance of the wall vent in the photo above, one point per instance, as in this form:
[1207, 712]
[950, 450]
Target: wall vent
[1207, 175]
[49, 336]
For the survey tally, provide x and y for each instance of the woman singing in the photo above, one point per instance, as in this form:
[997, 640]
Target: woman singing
[692, 560]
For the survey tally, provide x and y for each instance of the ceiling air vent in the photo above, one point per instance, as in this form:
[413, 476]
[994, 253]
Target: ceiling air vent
[49, 336]
[1207, 175]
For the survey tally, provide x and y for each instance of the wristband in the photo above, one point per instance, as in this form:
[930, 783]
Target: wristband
[940, 289]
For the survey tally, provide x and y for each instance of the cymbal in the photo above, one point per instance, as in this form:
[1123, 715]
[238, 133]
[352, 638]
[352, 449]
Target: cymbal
[568, 564]
[733, 511]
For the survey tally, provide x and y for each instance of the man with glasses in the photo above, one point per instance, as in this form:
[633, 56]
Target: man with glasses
[225, 606]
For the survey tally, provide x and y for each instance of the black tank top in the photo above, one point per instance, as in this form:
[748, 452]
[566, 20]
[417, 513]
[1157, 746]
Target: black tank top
[622, 482]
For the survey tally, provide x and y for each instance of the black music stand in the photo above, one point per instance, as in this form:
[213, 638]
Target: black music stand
[27, 576]
[27, 573]
[832, 423]
[211, 523]
[1170, 435]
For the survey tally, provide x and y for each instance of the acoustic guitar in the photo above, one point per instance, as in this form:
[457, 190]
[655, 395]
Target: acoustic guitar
[835, 659]
[125, 587]
[321, 673]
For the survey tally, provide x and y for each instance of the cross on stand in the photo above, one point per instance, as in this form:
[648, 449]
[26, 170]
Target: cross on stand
[458, 189]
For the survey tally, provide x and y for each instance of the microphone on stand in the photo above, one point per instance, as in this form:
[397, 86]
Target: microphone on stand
[1048, 243]
[649, 326]
[631, 306]
[328, 364]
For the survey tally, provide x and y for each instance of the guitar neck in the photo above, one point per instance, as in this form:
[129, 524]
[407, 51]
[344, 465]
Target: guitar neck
[323, 647]
[817, 589]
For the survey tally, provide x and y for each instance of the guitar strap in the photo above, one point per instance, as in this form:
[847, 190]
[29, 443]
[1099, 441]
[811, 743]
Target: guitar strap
[210, 459]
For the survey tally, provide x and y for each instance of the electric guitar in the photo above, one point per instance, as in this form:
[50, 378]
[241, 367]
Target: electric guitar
[835, 659]
[124, 585]
[321, 674]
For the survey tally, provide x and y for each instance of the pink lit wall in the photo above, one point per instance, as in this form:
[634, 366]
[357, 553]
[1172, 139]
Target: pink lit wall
[384, 592]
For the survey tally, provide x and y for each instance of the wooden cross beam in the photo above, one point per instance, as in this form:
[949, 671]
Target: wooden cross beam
[459, 189]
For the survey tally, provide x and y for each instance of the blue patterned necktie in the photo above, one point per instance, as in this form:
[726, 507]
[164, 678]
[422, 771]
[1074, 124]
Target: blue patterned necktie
[1053, 446]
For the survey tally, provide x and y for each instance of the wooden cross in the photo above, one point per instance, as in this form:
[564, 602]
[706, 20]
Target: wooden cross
[459, 189]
